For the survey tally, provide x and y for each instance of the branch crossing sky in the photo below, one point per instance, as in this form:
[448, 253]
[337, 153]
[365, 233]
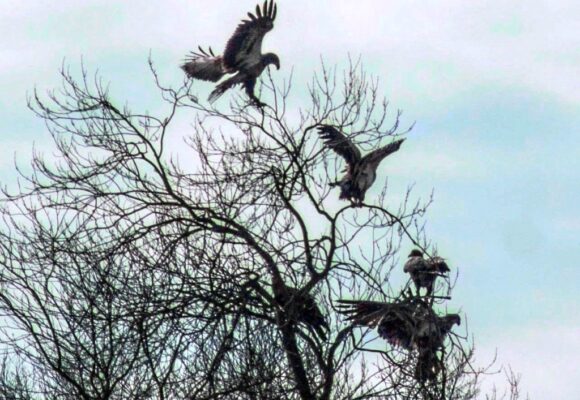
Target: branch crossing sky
[494, 88]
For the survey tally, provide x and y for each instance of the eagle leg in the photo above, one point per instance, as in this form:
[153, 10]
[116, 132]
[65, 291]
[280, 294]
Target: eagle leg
[249, 86]
[430, 290]
[417, 288]
[258, 103]
[256, 100]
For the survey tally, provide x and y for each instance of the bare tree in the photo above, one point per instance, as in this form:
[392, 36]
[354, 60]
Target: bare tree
[126, 274]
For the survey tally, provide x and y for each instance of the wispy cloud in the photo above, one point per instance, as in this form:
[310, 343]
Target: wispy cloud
[426, 44]
[505, 171]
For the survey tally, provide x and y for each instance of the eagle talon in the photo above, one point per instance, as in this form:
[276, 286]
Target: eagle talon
[259, 104]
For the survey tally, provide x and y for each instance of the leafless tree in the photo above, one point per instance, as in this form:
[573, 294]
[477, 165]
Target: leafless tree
[127, 274]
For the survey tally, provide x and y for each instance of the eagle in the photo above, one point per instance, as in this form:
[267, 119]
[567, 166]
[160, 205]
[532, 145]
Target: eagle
[431, 335]
[410, 324]
[424, 272]
[302, 307]
[394, 321]
[361, 171]
[242, 56]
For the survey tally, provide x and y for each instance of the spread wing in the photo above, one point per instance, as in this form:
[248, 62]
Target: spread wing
[374, 158]
[367, 313]
[394, 321]
[204, 65]
[341, 144]
[244, 49]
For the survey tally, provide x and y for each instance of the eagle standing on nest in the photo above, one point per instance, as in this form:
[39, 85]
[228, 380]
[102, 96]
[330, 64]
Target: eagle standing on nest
[410, 324]
[361, 171]
[242, 56]
[424, 272]
[302, 308]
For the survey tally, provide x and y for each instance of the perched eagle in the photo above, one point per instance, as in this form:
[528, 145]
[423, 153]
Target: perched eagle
[424, 272]
[431, 335]
[361, 171]
[302, 308]
[410, 324]
[394, 322]
[242, 56]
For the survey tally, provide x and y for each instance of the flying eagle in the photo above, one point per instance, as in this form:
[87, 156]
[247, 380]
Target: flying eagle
[242, 56]
[302, 307]
[410, 324]
[424, 272]
[361, 171]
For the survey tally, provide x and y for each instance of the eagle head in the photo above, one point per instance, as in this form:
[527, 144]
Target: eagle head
[453, 319]
[416, 253]
[271, 58]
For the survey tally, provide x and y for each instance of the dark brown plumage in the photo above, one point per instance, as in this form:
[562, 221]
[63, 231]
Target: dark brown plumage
[301, 307]
[242, 55]
[394, 321]
[410, 324]
[428, 366]
[361, 172]
[430, 338]
[424, 272]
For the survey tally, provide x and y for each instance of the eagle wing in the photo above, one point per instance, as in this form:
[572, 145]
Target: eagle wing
[374, 158]
[244, 49]
[438, 264]
[414, 265]
[204, 65]
[394, 321]
[367, 313]
[340, 143]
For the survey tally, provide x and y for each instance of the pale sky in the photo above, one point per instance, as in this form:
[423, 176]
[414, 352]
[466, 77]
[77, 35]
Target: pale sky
[494, 88]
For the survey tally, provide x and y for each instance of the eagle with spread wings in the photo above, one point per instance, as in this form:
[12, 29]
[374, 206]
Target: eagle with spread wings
[410, 324]
[424, 272]
[361, 171]
[242, 56]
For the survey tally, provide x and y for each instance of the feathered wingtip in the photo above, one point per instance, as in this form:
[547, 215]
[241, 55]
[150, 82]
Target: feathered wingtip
[347, 304]
[203, 53]
[439, 264]
[204, 65]
[361, 312]
[329, 133]
[268, 11]
[349, 308]
[196, 55]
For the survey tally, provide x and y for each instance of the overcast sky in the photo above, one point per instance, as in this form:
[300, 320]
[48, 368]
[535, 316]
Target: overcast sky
[494, 88]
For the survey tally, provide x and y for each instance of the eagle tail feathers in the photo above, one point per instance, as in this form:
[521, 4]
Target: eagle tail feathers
[225, 85]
